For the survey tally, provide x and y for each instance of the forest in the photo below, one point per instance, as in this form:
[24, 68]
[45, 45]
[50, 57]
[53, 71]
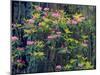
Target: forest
[52, 37]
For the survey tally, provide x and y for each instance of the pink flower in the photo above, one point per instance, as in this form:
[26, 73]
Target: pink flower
[58, 33]
[80, 19]
[46, 9]
[19, 48]
[53, 36]
[43, 17]
[38, 8]
[58, 68]
[50, 37]
[74, 22]
[23, 61]
[20, 61]
[46, 14]
[40, 24]
[14, 38]
[30, 42]
[55, 14]
[33, 17]
[30, 21]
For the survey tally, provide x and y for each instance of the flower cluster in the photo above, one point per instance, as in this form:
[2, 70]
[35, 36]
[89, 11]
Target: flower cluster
[30, 42]
[77, 18]
[14, 38]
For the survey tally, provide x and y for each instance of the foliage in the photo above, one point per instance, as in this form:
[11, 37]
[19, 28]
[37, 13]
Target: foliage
[51, 40]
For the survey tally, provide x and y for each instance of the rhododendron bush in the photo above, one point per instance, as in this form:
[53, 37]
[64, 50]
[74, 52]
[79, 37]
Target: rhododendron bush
[52, 39]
